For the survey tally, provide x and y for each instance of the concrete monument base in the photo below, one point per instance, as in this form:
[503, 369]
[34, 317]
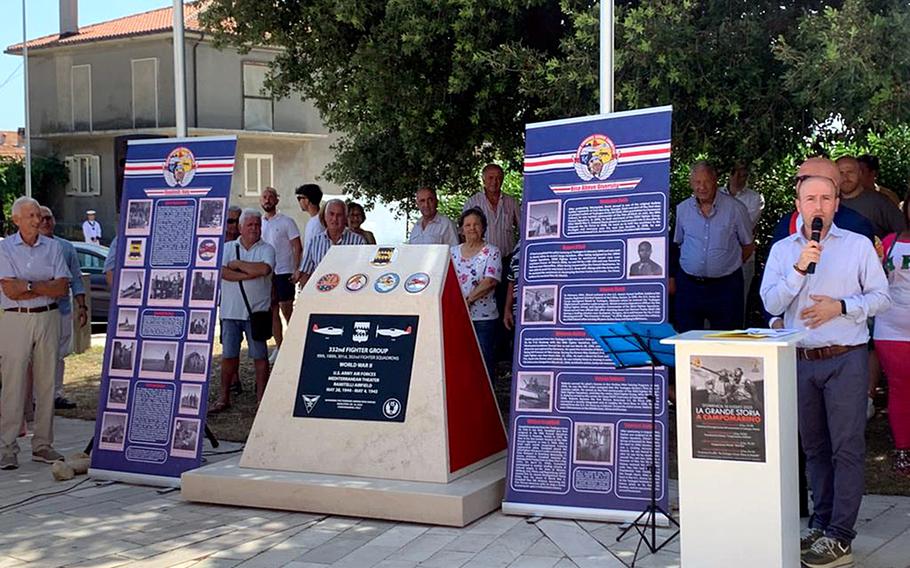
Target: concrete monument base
[456, 503]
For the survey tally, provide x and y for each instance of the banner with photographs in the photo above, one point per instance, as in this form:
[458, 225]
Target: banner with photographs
[593, 251]
[154, 387]
[728, 408]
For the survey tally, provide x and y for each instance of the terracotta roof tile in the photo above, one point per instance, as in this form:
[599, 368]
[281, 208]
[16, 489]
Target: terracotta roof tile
[9, 145]
[155, 21]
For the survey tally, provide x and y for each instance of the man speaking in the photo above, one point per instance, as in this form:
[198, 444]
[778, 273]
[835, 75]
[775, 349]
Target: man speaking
[828, 287]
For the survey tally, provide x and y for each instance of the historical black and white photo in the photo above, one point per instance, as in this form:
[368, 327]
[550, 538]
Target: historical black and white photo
[646, 257]
[195, 361]
[535, 392]
[131, 288]
[127, 322]
[166, 287]
[190, 399]
[593, 443]
[186, 437]
[543, 219]
[202, 289]
[538, 305]
[113, 431]
[199, 325]
[158, 359]
[211, 216]
[138, 217]
[117, 393]
[123, 358]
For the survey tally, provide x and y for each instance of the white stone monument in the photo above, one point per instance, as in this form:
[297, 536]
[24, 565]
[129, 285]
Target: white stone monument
[737, 441]
[378, 405]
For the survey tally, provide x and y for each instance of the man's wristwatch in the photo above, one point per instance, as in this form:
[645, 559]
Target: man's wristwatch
[843, 308]
[798, 269]
[29, 286]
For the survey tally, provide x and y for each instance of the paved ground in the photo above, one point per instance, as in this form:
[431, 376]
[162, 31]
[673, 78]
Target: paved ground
[113, 524]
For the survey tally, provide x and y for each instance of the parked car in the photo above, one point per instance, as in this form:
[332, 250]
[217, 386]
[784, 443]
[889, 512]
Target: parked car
[91, 261]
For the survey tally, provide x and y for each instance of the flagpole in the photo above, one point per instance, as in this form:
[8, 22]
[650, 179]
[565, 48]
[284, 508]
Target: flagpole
[179, 71]
[606, 56]
[28, 134]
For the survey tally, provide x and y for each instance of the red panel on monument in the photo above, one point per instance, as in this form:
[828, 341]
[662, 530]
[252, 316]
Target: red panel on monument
[474, 426]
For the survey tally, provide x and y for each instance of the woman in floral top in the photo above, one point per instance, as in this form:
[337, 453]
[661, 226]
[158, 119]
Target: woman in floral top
[478, 266]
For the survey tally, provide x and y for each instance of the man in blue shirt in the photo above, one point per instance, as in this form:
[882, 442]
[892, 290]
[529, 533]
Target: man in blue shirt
[33, 276]
[48, 223]
[714, 234]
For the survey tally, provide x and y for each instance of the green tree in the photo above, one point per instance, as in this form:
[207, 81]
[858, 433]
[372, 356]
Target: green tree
[49, 174]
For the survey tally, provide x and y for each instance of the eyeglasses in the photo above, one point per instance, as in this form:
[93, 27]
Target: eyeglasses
[47, 217]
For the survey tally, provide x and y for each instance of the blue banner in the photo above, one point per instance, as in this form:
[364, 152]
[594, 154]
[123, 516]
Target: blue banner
[154, 387]
[593, 251]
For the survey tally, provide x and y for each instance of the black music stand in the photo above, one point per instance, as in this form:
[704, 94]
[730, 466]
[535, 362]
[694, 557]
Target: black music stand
[635, 345]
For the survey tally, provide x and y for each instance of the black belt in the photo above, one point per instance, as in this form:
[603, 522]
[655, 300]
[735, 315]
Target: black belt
[707, 280]
[819, 353]
[42, 309]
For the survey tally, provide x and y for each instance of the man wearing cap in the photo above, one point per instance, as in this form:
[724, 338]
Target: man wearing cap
[33, 275]
[831, 305]
[91, 229]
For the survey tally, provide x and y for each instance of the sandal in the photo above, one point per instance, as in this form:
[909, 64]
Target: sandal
[219, 407]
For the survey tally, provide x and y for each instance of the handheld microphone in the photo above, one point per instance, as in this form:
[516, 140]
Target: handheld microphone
[816, 236]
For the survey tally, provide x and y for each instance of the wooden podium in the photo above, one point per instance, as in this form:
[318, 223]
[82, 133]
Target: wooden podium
[737, 441]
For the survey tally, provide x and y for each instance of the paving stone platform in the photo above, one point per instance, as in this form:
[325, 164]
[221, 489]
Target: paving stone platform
[113, 524]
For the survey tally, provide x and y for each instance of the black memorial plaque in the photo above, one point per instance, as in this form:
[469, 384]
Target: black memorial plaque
[356, 367]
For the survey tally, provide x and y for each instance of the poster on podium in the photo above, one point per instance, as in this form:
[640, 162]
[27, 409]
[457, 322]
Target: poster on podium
[157, 357]
[593, 250]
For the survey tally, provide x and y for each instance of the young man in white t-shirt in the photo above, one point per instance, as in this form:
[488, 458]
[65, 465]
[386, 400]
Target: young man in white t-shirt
[309, 196]
[282, 233]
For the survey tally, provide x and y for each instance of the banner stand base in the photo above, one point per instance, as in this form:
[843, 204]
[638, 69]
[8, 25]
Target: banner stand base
[456, 503]
[577, 513]
[135, 478]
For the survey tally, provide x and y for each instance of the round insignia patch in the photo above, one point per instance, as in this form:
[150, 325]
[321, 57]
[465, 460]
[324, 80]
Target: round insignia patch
[179, 167]
[595, 158]
[357, 282]
[207, 249]
[417, 282]
[391, 408]
[387, 282]
[328, 282]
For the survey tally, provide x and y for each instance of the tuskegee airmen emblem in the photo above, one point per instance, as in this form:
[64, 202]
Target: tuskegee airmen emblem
[595, 158]
[179, 167]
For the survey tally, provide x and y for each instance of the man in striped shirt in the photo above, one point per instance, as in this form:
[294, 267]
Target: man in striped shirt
[501, 210]
[336, 233]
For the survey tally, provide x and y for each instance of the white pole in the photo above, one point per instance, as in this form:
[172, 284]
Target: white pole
[179, 71]
[28, 136]
[606, 56]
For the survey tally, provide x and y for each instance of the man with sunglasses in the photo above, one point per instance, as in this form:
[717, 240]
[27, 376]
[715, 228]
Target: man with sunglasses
[232, 226]
[831, 303]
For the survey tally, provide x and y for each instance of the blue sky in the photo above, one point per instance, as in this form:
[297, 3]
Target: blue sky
[43, 19]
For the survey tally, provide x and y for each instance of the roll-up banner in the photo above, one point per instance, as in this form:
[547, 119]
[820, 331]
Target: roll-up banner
[157, 359]
[593, 250]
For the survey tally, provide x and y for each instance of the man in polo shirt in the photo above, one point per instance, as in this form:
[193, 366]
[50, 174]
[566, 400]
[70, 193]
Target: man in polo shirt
[832, 306]
[248, 261]
[336, 233]
[433, 228]
[309, 196]
[884, 215]
[714, 233]
[33, 275]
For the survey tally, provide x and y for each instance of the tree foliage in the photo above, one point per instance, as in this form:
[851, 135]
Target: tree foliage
[49, 174]
[424, 92]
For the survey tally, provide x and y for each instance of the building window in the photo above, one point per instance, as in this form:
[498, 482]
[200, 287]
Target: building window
[145, 93]
[81, 96]
[257, 173]
[257, 102]
[85, 174]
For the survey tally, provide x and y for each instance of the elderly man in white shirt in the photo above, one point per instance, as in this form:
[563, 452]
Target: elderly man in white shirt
[433, 228]
[737, 187]
[832, 304]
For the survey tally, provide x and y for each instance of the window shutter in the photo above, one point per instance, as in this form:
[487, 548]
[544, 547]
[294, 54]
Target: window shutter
[95, 175]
